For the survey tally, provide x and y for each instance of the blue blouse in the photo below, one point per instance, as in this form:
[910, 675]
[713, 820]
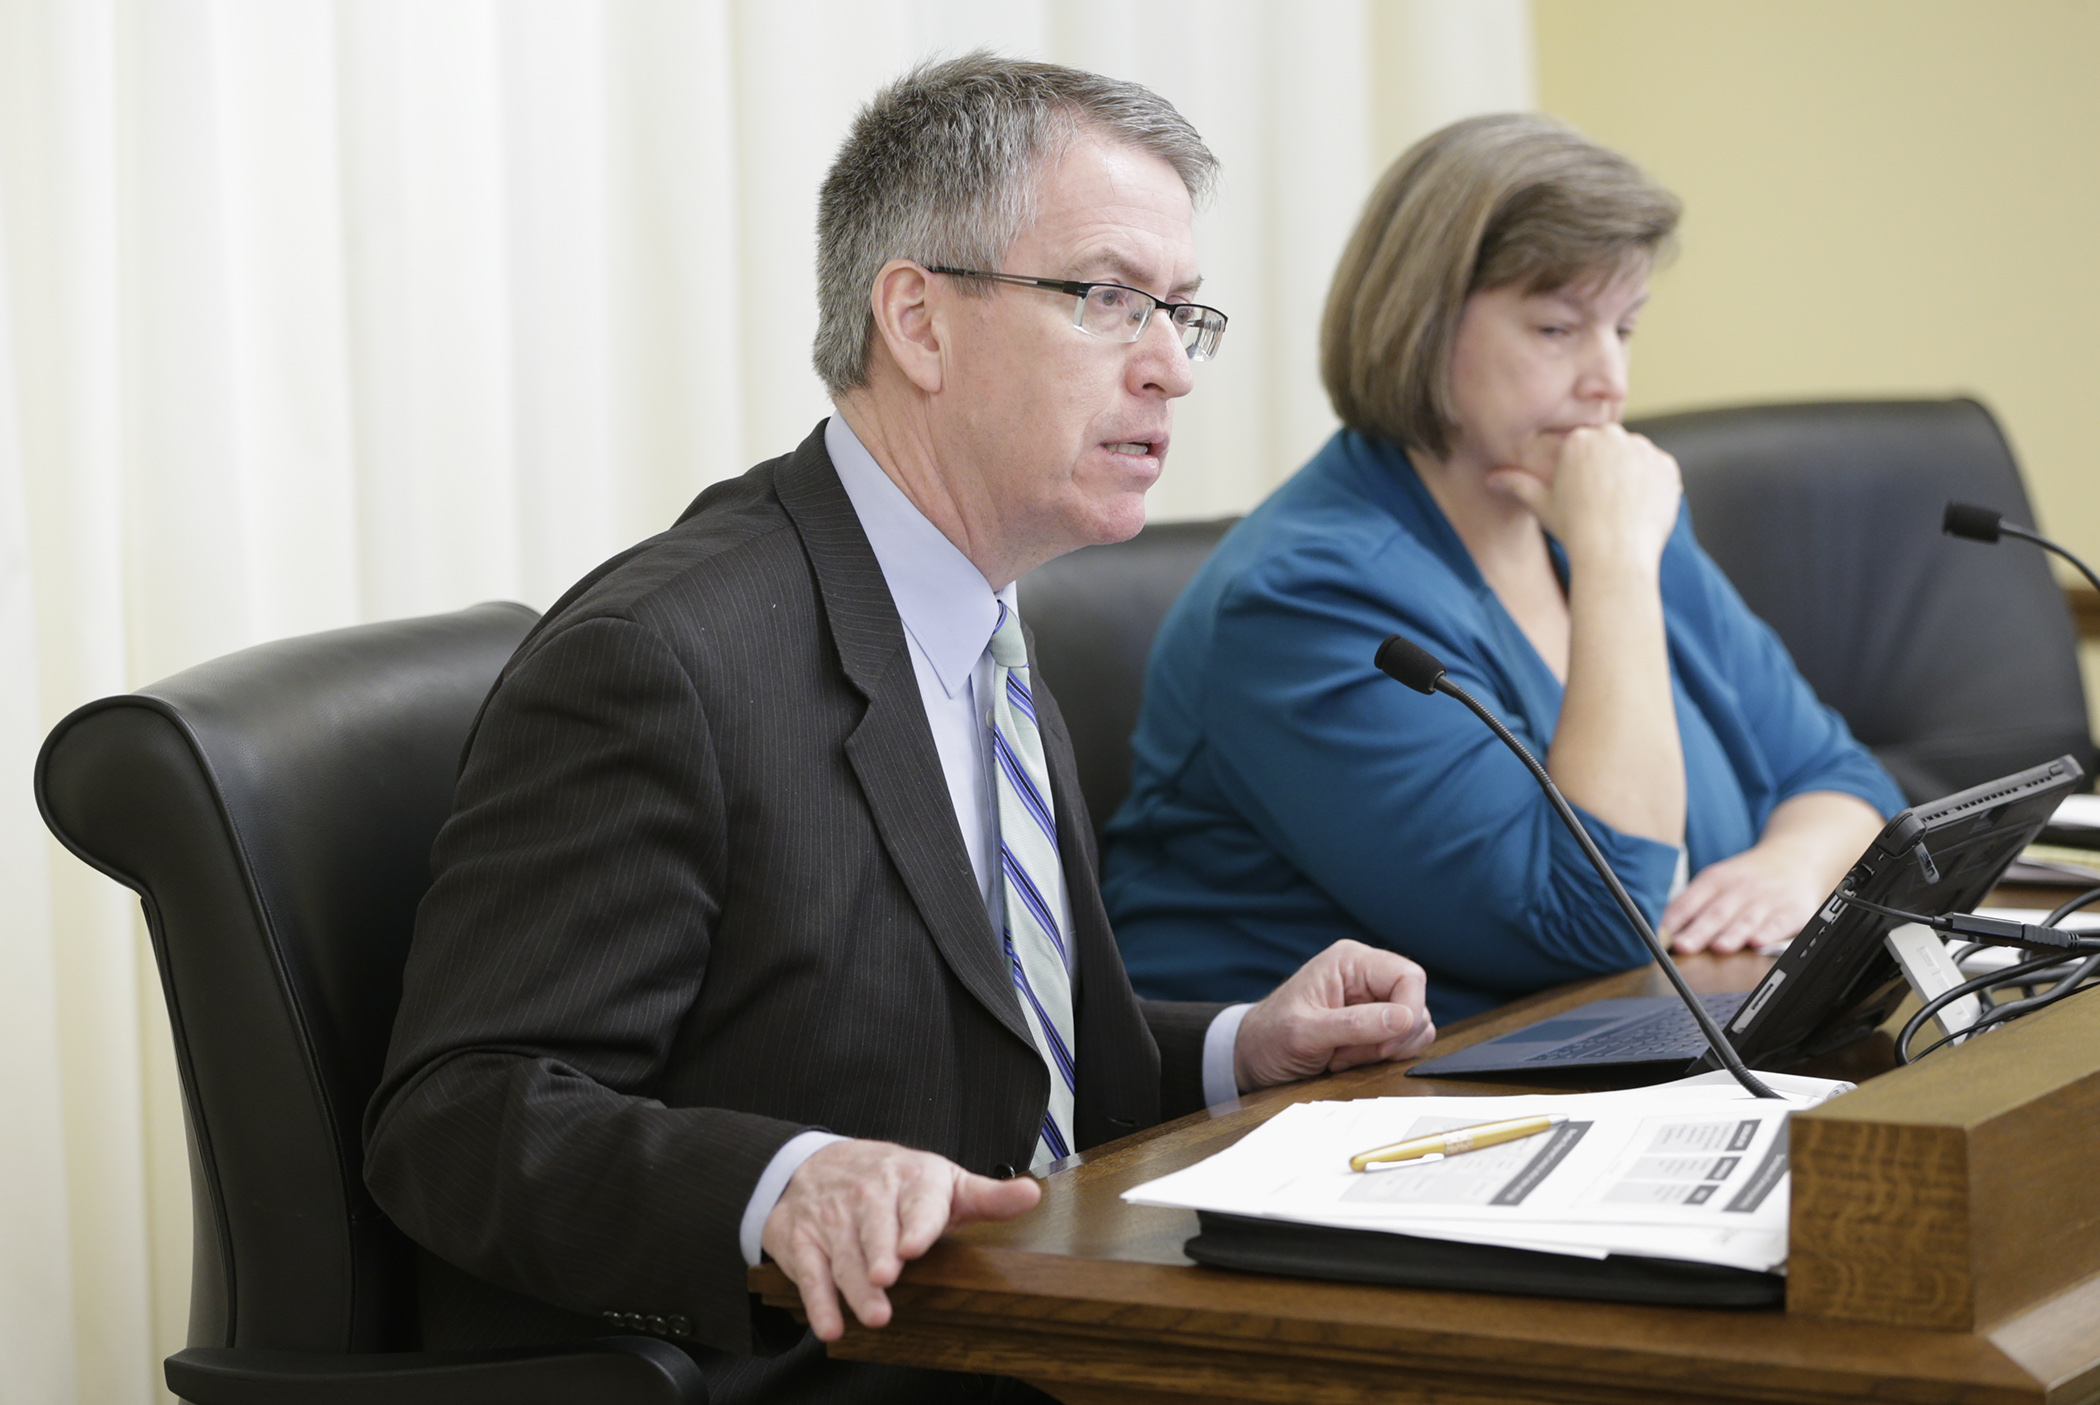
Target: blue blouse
[1286, 794]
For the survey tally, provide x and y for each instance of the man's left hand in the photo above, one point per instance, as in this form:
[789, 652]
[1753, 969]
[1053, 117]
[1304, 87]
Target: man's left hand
[1352, 1004]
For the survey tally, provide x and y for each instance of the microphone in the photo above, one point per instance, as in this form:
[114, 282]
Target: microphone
[1966, 519]
[1407, 662]
[1981, 524]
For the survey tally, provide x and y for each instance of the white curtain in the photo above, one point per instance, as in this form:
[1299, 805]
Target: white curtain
[321, 311]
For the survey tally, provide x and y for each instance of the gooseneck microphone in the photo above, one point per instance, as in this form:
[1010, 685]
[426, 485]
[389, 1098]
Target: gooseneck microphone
[1981, 524]
[1407, 662]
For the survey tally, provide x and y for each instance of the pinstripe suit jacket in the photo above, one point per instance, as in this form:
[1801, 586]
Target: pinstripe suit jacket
[703, 889]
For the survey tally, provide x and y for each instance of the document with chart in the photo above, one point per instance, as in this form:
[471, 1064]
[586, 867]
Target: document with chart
[1692, 1170]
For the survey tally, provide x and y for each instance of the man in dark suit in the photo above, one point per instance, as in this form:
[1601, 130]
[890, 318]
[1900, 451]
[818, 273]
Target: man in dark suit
[766, 920]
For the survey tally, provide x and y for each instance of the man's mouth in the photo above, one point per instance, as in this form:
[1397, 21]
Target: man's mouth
[1133, 447]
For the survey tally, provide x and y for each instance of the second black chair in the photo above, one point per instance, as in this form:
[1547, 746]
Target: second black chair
[1954, 663]
[274, 810]
[1094, 614]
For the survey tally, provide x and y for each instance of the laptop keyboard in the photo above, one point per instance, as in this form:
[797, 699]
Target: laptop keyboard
[1669, 1034]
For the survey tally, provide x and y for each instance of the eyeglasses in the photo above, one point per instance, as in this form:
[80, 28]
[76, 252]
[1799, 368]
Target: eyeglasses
[1118, 313]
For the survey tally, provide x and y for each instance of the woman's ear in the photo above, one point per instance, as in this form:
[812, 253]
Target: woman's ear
[907, 322]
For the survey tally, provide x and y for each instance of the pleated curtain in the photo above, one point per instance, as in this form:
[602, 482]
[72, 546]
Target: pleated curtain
[315, 312]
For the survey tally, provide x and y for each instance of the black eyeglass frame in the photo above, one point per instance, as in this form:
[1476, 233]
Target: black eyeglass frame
[1204, 349]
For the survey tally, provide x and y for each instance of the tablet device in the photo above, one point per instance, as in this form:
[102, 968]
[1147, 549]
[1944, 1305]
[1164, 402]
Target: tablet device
[1836, 980]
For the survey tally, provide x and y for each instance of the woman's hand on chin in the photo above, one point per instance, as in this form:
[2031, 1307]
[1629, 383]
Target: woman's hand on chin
[1605, 494]
[1755, 900]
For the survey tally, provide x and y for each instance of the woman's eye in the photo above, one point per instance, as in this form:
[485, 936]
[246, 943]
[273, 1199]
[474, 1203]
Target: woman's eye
[1554, 329]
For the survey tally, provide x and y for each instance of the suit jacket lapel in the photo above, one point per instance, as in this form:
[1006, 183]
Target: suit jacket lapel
[892, 751]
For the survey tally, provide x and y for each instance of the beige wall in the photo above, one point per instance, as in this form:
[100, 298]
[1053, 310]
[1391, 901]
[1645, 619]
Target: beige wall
[1883, 197]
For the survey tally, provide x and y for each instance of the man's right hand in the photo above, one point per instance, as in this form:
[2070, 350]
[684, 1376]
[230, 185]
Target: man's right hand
[856, 1211]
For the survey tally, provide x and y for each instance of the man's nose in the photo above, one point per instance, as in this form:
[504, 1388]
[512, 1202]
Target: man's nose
[1160, 363]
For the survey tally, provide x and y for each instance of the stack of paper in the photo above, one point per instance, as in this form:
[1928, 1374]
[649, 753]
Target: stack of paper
[2077, 819]
[2067, 848]
[1694, 1170]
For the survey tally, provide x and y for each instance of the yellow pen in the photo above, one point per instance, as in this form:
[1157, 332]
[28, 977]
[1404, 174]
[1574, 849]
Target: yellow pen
[1458, 1139]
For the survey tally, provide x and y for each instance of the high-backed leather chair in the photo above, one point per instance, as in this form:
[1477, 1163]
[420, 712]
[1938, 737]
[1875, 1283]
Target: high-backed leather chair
[1954, 662]
[1094, 613]
[274, 810]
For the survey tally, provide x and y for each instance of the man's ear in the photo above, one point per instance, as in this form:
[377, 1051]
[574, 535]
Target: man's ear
[902, 303]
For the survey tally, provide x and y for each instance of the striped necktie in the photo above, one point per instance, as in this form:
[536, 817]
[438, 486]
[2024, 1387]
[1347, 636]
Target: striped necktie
[1031, 879]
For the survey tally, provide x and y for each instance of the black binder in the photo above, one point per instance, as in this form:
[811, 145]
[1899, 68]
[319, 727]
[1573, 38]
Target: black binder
[1402, 1260]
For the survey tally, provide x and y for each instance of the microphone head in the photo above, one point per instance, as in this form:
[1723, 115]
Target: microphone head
[1407, 662]
[1966, 519]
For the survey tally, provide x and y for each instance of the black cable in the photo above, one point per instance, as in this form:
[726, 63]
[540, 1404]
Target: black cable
[1978, 985]
[2045, 544]
[2041, 967]
[1990, 980]
[1896, 912]
[2011, 1010]
[1975, 986]
[1962, 951]
[2078, 904]
[1994, 931]
[2060, 987]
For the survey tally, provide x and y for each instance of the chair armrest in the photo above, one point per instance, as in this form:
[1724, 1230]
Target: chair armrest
[608, 1371]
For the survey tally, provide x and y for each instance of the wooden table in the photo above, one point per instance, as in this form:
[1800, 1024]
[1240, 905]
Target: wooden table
[1092, 1299]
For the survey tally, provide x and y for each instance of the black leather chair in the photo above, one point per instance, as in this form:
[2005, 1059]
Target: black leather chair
[274, 810]
[1955, 662]
[1094, 613]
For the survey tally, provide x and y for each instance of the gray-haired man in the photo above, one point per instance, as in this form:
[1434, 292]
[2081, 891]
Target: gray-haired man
[766, 920]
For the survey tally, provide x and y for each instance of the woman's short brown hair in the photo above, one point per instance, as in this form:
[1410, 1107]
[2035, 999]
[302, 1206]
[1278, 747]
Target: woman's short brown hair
[1488, 202]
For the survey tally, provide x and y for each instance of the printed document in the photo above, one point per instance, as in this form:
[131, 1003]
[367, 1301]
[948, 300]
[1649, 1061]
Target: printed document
[1695, 1170]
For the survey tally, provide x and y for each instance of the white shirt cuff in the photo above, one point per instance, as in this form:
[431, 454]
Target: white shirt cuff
[1219, 1083]
[774, 1183]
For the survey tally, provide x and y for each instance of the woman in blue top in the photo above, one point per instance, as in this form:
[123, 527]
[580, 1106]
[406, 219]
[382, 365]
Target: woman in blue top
[1484, 501]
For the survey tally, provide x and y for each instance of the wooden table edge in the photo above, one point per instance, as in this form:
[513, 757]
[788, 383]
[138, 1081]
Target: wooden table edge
[1028, 1311]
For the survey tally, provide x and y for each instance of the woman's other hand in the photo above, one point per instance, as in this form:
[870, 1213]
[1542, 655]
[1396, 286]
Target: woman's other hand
[1755, 900]
[1604, 493]
[1766, 894]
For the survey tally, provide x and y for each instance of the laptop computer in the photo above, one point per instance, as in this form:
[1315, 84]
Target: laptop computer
[1836, 981]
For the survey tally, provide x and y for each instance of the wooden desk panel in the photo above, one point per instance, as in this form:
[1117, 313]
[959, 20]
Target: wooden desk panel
[1961, 1192]
[1093, 1300]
